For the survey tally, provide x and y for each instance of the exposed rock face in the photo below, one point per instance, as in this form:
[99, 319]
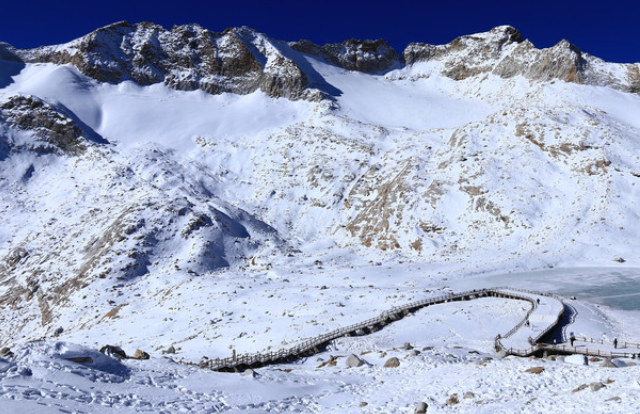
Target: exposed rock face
[241, 61]
[503, 52]
[466, 55]
[186, 57]
[8, 53]
[55, 131]
[369, 56]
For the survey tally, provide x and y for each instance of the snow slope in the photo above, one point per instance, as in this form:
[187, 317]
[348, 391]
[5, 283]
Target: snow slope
[138, 214]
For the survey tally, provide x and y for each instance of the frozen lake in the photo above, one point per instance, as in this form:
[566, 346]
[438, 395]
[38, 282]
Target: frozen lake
[615, 287]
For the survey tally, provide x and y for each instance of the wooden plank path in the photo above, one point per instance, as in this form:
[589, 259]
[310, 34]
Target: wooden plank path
[545, 313]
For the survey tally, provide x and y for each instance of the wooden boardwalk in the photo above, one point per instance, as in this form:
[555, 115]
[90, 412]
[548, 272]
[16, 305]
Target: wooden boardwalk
[518, 344]
[524, 339]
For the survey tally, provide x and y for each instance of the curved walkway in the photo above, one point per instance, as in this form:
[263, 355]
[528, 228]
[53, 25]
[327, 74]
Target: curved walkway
[545, 313]
[548, 312]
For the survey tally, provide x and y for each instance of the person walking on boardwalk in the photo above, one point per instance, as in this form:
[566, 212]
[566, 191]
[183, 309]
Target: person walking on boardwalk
[572, 339]
[615, 343]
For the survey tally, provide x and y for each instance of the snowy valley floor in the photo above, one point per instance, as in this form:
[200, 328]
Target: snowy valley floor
[452, 359]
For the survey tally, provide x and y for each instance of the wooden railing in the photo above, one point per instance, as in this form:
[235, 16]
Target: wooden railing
[621, 344]
[313, 345]
[567, 349]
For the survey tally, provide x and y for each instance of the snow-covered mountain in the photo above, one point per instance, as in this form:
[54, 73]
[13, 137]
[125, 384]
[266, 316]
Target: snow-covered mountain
[135, 160]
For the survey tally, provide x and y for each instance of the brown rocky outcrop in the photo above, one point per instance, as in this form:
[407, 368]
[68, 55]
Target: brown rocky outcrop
[186, 57]
[502, 51]
[368, 56]
[54, 130]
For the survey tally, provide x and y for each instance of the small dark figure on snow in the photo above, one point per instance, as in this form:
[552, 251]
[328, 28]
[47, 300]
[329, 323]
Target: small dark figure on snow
[572, 339]
[615, 343]
[538, 300]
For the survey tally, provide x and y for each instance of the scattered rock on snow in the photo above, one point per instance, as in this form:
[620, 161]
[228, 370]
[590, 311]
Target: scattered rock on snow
[363, 404]
[580, 388]
[413, 352]
[607, 363]
[614, 399]
[453, 399]
[421, 408]
[6, 352]
[596, 386]
[140, 355]
[331, 362]
[392, 363]
[535, 370]
[249, 373]
[619, 363]
[407, 346]
[354, 361]
[113, 351]
[468, 395]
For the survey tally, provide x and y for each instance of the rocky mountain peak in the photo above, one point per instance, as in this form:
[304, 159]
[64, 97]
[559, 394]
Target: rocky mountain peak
[186, 57]
[369, 56]
[502, 51]
[241, 60]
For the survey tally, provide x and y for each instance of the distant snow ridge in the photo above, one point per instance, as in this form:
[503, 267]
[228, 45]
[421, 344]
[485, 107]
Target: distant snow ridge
[240, 60]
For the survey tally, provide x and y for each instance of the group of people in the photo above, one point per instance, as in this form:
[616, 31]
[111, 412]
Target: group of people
[572, 339]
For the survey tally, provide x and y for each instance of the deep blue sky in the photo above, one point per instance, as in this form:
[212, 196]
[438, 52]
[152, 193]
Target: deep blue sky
[607, 29]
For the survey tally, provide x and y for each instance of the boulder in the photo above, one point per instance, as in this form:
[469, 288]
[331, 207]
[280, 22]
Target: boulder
[140, 354]
[392, 363]
[453, 399]
[407, 346]
[619, 363]
[535, 370]
[421, 408]
[596, 386]
[468, 395]
[354, 361]
[607, 363]
[113, 351]
[6, 352]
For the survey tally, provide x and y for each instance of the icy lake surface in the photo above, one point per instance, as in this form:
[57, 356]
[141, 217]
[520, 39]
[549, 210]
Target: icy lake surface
[614, 287]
